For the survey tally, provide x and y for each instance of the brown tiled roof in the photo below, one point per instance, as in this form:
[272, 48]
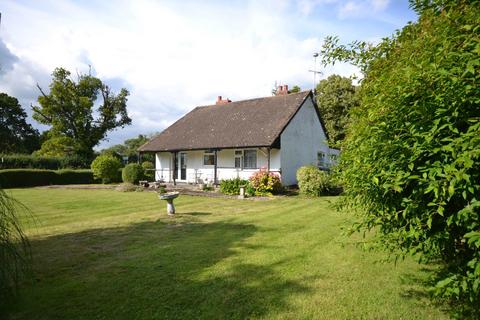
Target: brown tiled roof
[247, 123]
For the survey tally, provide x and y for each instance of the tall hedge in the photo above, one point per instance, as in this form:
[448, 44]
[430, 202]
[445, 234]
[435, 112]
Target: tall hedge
[411, 161]
[23, 161]
[19, 178]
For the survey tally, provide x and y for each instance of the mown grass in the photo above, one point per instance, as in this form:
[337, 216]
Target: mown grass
[101, 254]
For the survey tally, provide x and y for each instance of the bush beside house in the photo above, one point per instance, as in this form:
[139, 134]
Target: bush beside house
[265, 183]
[232, 186]
[315, 182]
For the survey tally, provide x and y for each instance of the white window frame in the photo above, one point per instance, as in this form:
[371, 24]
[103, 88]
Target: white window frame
[321, 159]
[238, 156]
[207, 153]
[256, 159]
[242, 159]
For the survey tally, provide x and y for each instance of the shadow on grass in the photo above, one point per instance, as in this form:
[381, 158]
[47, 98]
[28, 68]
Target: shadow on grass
[152, 270]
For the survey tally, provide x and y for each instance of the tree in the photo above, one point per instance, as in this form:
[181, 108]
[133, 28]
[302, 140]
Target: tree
[57, 146]
[336, 96]
[129, 148]
[16, 135]
[295, 89]
[72, 110]
[410, 165]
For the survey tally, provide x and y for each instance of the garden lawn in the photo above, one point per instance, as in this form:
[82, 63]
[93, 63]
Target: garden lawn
[102, 254]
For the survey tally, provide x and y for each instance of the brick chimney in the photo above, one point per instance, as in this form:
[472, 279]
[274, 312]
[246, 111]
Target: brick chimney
[282, 90]
[222, 101]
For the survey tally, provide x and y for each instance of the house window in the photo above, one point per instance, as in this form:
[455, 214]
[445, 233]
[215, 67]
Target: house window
[321, 159]
[208, 159]
[333, 158]
[238, 159]
[250, 159]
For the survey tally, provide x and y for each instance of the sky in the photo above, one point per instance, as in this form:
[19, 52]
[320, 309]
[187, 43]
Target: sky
[175, 55]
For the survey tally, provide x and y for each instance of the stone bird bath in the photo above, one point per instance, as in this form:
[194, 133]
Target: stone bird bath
[169, 196]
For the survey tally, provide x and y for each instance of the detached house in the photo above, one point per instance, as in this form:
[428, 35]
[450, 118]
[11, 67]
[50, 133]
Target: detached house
[234, 139]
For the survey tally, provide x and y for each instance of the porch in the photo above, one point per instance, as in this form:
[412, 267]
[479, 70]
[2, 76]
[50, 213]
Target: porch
[212, 166]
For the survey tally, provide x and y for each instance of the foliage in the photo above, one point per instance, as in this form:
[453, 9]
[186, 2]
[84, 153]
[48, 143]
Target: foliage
[16, 135]
[336, 96]
[411, 162]
[132, 173]
[19, 178]
[249, 190]
[232, 186]
[161, 190]
[106, 168]
[129, 148]
[17, 161]
[57, 146]
[315, 182]
[148, 170]
[69, 108]
[295, 89]
[14, 249]
[265, 183]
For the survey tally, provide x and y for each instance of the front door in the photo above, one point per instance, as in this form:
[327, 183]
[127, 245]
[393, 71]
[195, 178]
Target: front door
[182, 165]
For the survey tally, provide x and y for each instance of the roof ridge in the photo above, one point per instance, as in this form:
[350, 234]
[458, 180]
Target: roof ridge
[306, 92]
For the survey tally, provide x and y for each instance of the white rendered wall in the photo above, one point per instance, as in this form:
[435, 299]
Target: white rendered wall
[200, 173]
[300, 142]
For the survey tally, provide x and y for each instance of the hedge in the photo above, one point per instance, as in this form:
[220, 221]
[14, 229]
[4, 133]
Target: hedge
[22, 161]
[17, 178]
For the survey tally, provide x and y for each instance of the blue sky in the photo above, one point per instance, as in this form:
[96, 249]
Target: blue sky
[175, 55]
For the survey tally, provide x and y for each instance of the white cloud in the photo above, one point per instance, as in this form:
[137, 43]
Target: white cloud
[171, 56]
[362, 8]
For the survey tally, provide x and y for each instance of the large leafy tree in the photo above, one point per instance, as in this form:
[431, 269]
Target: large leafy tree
[411, 160]
[72, 109]
[336, 95]
[129, 148]
[16, 135]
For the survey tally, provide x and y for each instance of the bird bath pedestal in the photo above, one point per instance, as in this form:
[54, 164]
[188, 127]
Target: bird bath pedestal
[169, 196]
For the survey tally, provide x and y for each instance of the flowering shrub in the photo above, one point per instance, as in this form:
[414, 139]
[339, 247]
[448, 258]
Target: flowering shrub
[265, 183]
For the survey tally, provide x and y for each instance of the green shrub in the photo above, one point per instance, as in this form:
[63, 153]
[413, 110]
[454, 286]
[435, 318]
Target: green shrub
[148, 170]
[265, 183]
[132, 173]
[410, 164]
[232, 186]
[249, 190]
[314, 182]
[18, 178]
[106, 168]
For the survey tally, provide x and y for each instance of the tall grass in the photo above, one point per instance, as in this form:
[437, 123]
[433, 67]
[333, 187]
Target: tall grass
[15, 252]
